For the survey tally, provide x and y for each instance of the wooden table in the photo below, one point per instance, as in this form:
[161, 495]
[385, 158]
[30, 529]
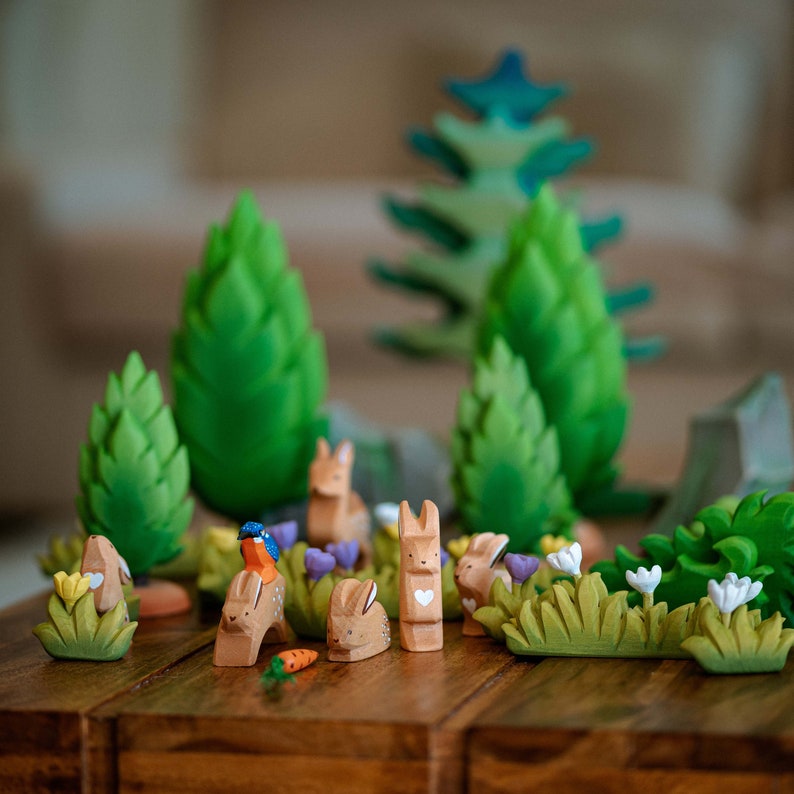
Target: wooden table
[471, 717]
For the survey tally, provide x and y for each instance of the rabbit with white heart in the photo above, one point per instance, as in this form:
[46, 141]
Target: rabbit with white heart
[107, 571]
[475, 573]
[421, 616]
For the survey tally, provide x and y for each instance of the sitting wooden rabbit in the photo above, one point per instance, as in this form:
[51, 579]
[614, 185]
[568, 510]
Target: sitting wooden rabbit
[107, 572]
[358, 626]
[474, 575]
[336, 512]
[254, 606]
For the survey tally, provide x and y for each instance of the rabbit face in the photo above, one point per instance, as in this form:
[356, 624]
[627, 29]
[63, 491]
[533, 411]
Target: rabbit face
[329, 475]
[242, 601]
[421, 555]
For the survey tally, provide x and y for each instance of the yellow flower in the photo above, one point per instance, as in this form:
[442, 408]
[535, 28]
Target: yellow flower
[457, 547]
[70, 587]
[222, 538]
[549, 544]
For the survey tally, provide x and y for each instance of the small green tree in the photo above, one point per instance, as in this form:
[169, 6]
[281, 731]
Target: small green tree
[549, 304]
[134, 473]
[249, 371]
[505, 458]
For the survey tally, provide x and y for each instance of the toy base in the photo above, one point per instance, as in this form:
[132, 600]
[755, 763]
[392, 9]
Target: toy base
[161, 598]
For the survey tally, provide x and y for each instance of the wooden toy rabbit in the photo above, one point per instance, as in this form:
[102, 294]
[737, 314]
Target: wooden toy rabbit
[253, 612]
[421, 627]
[358, 626]
[474, 575]
[107, 572]
[336, 513]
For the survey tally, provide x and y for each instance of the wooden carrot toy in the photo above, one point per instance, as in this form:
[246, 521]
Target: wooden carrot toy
[297, 658]
[282, 665]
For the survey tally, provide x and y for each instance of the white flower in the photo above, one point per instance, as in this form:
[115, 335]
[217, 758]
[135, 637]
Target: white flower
[645, 581]
[387, 513]
[732, 592]
[567, 559]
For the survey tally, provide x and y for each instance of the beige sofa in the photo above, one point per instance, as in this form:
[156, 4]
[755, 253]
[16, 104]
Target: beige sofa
[692, 114]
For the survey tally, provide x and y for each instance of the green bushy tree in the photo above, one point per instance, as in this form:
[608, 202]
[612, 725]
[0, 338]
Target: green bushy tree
[249, 371]
[134, 473]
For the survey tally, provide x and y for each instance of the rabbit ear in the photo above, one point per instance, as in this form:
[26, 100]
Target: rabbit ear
[345, 592]
[365, 597]
[499, 544]
[478, 541]
[124, 571]
[428, 518]
[406, 520]
[323, 448]
[344, 452]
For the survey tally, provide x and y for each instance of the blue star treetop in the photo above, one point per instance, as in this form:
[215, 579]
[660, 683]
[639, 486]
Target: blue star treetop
[509, 86]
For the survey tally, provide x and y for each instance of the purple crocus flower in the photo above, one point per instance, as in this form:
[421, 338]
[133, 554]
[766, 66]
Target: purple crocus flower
[345, 553]
[521, 566]
[318, 563]
[285, 534]
[444, 557]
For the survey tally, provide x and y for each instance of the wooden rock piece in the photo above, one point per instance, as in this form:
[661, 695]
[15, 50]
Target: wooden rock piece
[107, 572]
[474, 575]
[336, 512]
[253, 612]
[421, 627]
[358, 626]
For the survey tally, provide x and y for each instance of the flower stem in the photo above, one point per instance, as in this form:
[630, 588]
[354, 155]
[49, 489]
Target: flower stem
[647, 600]
[726, 619]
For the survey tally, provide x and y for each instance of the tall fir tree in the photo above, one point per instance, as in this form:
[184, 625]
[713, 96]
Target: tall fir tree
[249, 371]
[493, 166]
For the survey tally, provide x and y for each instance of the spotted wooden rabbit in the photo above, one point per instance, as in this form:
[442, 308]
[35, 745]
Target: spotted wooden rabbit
[358, 626]
[252, 613]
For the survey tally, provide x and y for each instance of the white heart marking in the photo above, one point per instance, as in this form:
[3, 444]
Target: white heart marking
[95, 579]
[469, 604]
[424, 597]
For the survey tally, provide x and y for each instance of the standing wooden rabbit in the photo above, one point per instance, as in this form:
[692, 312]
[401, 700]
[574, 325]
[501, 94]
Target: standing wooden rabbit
[358, 626]
[254, 608]
[421, 616]
[336, 512]
[474, 575]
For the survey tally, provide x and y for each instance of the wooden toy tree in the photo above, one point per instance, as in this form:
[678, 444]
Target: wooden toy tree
[505, 457]
[249, 371]
[548, 302]
[493, 166]
[133, 472]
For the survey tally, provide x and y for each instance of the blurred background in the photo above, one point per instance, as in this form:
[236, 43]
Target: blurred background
[126, 128]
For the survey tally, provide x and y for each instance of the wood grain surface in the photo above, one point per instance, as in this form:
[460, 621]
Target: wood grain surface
[613, 723]
[370, 726]
[470, 717]
[44, 703]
